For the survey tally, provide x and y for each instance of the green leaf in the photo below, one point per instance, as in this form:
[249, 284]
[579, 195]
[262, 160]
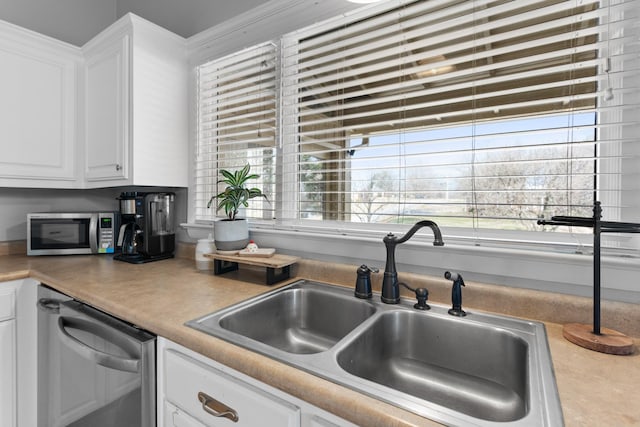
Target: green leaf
[236, 193]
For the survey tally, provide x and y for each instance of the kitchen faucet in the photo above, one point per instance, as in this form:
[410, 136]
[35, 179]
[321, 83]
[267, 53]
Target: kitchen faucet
[390, 287]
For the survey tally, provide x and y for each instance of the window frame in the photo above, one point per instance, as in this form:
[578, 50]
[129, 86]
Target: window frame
[571, 241]
[498, 259]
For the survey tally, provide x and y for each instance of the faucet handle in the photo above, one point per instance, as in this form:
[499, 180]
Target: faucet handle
[370, 269]
[363, 281]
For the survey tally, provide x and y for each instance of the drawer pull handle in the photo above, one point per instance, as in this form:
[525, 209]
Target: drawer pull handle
[216, 408]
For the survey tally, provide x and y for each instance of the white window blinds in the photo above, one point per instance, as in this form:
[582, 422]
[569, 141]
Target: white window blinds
[236, 126]
[482, 114]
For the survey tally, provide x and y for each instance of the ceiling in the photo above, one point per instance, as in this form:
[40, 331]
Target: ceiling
[186, 17]
[77, 21]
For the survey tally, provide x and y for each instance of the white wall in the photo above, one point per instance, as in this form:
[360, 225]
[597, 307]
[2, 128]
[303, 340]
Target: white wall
[15, 203]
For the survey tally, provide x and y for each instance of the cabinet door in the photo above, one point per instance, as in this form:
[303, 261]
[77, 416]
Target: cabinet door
[107, 83]
[136, 106]
[26, 350]
[37, 110]
[7, 374]
[7, 301]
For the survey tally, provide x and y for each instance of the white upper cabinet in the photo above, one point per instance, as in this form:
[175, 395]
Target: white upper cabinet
[107, 111]
[111, 113]
[136, 106]
[38, 115]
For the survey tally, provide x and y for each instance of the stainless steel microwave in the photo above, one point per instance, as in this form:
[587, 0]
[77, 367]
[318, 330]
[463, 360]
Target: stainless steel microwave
[69, 233]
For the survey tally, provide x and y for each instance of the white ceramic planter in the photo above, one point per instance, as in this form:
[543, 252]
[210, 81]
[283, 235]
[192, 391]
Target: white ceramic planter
[231, 235]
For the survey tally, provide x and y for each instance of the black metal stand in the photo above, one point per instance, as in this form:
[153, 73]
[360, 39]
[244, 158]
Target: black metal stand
[273, 275]
[221, 266]
[618, 344]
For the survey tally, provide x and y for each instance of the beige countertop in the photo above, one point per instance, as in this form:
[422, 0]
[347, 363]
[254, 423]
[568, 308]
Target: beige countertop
[595, 389]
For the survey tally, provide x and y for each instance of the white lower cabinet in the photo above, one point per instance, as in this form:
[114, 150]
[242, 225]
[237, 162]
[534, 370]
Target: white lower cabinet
[189, 381]
[18, 364]
[7, 373]
[194, 391]
[8, 386]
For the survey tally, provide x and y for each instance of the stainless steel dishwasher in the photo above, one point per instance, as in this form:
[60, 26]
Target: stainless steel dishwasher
[93, 369]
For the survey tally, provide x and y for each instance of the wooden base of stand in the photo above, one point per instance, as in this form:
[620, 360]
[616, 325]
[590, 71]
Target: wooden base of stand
[609, 341]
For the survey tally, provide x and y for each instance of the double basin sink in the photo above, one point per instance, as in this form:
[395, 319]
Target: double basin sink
[479, 370]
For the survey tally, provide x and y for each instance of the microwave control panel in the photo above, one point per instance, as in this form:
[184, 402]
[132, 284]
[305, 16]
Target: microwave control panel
[107, 233]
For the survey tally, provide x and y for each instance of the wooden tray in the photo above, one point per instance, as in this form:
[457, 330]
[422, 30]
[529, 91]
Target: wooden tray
[274, 261]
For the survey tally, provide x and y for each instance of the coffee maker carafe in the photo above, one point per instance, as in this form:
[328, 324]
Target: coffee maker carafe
[147, 231]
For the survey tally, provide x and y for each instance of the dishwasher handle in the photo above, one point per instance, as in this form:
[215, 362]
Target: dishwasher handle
[49, 305]
[90, 353]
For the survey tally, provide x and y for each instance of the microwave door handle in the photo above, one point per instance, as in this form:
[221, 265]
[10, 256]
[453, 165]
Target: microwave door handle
[93, 237]
[90, 353]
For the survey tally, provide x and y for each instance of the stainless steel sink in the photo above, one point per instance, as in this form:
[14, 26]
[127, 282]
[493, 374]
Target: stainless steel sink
[479, 370]
[298, 319]
[476, 370]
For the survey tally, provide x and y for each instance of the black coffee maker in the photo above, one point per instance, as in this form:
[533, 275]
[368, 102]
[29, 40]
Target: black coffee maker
[147, 230]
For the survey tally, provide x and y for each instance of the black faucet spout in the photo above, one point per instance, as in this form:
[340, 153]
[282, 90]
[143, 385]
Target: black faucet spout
[390, 288]
[437, 235]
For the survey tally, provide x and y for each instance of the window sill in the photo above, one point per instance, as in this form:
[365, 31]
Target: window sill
[533, 269]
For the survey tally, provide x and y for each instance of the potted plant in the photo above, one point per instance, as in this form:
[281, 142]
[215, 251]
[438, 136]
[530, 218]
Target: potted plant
[232, 233]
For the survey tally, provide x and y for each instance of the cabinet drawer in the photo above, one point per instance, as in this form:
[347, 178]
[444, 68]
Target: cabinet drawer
[186, 378]
[7, 302]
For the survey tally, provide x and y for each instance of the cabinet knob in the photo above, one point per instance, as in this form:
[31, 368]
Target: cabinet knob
[217, 408]
[118, 167]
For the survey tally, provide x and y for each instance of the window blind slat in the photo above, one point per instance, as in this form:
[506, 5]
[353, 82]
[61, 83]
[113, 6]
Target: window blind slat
[383, 46]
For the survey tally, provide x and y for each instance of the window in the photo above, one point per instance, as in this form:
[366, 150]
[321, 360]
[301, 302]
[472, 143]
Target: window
[482, 115]
[237, 125]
